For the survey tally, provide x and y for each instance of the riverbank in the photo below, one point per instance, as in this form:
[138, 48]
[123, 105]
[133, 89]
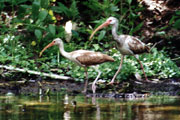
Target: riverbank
[34, 85]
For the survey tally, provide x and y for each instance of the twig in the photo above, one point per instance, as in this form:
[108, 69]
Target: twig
[36, 73]
[155, 44]
[174, 59]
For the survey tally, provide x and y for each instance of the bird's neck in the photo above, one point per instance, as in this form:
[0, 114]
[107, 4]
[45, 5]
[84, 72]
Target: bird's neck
[62, 51]
[114, 31]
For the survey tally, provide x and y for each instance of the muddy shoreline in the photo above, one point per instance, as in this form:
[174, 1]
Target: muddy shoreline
[32, 86]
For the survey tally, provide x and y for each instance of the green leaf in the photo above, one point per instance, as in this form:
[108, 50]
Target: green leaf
[172, 19]
[178, 12]
[75, 34]
[96, 46]
[26, 6]
[74, 10]
[101, 35]
[42, 15]
[114, 8]
[177, 24]
[129, 1]
[35, 9]
[52, 29]
[38, 34]
[20, 1]
[61, 9]
[44, 3]
[138, 27]
[106, 45]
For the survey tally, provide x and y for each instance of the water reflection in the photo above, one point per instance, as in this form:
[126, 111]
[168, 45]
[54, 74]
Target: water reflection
[67, 115]
[79, 107]
[66, 105]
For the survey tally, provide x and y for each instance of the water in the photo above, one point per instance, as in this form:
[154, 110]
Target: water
[65, 107]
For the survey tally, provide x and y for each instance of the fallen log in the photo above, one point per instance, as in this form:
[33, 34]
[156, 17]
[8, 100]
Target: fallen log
[25, 70]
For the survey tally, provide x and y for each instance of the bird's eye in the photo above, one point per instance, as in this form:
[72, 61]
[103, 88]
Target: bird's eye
[110, 20]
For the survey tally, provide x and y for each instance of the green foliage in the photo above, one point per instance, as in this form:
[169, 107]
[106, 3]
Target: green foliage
[29, 25]
[177, 24]
[71, 12]
[42, 15]
[156, 65]
[175, 20]
[38, 33]
[160, 65]
[52, 29]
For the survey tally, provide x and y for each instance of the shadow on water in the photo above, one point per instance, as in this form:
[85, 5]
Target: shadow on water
[79, 107]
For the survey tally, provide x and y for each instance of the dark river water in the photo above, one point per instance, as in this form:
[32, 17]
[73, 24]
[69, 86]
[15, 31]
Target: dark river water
[79, 107]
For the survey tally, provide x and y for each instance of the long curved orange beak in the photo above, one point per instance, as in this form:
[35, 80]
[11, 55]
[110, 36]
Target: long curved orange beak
[100, 27]
[49, 45]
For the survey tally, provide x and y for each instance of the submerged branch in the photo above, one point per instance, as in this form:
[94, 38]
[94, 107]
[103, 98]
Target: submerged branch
[36, 73]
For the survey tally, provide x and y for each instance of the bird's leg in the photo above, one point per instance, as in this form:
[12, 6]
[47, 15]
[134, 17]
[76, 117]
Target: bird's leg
[142, 68]
[120, 66]
[94, 82]
[86, 81]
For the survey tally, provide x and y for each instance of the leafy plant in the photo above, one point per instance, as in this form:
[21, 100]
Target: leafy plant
[26, 26]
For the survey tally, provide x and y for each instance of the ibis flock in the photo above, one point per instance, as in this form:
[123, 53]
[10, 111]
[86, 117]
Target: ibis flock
[127, 45]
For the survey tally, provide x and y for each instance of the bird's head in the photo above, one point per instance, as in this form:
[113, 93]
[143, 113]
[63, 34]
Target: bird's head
[56, 41]
[109, 21]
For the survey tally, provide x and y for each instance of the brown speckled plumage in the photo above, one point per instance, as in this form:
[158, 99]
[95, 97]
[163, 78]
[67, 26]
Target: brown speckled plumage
[94, 58]
[138, 47]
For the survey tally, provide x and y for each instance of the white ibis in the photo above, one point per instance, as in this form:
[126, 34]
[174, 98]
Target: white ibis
[127, 45]
[83, 58]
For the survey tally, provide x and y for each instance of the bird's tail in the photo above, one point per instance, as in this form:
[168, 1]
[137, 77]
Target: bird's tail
[150, 48]
[109, 58]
